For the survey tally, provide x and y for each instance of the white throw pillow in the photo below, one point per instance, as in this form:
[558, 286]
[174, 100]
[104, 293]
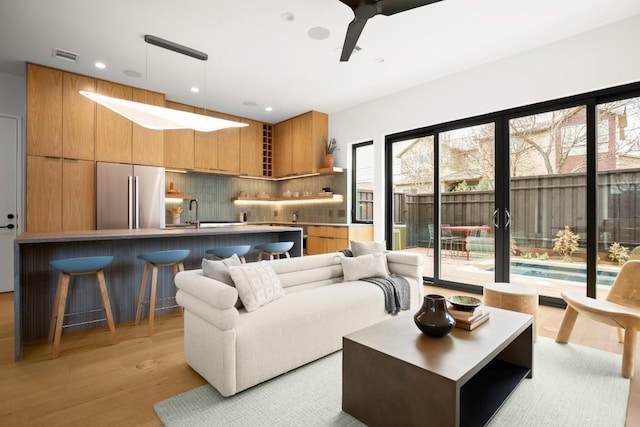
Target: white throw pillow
[219, 270]
[365, 248]
[370, 265]
[257, 284]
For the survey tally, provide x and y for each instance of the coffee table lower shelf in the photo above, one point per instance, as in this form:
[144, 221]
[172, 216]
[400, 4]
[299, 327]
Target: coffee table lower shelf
[485, 393]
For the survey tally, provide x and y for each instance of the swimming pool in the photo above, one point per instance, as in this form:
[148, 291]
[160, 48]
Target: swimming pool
[573, 274]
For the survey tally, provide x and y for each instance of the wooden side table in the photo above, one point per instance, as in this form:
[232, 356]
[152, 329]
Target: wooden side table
[514, 298]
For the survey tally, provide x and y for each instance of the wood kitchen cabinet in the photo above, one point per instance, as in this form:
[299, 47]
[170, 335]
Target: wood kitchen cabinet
[228, 145]
[179, 144]
[60, 194]
[324, 239]
[61, 122]
[113, 132]
[78, 117]
[78, 199]
[44, 193]
[147, 145]
[299, 144]
[282, 149]
[218, 151]
[251, 155]
[44, 111]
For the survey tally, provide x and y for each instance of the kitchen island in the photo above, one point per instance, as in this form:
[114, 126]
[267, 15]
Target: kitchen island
[35, 279]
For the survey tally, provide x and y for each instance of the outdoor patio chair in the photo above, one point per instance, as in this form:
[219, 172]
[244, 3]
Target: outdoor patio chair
[621, 309]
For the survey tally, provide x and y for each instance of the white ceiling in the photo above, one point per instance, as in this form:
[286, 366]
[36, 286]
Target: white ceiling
[256, 56]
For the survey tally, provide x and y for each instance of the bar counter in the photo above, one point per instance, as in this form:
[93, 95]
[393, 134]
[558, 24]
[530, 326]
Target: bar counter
[36, 280]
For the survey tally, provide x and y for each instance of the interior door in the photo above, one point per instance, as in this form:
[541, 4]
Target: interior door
[9, 138]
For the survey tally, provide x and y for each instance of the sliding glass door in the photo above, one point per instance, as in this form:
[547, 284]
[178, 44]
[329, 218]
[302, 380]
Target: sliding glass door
[467, 202]
[544, 196]
[548, 200]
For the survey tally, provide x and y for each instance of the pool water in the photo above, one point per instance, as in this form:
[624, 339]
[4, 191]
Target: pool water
[573, 274]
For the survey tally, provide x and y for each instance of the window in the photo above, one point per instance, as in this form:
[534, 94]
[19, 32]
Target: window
[362, 202]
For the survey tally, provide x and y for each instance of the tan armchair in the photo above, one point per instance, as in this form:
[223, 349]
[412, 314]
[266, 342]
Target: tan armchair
[621, 309]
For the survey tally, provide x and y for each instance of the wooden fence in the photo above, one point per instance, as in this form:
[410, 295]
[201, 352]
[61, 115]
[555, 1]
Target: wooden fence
[540, 206]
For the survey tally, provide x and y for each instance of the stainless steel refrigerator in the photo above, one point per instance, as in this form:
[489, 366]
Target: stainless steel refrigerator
[129, 196]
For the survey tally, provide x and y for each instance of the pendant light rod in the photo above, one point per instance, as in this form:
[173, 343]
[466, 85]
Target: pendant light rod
[167, 44]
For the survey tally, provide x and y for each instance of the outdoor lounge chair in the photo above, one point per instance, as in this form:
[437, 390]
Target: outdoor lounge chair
[621, 309]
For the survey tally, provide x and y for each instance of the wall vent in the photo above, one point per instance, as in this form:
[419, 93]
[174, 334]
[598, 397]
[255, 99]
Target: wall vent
[65, 55]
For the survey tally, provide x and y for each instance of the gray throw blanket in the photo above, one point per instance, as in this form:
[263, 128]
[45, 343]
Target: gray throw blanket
[397, 292]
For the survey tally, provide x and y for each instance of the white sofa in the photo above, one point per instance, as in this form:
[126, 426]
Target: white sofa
[234, 349]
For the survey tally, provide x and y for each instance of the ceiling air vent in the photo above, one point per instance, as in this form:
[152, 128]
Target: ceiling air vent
[65, 55]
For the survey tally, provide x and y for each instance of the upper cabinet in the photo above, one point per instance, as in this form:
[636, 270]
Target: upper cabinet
[61, 122]
[218, 151]
[178, 144]
[299, 144]
[228, 146]
[113, 132]
[282, 149]
[251, 152]
[147, 144]
[44, 111]
[78, 117]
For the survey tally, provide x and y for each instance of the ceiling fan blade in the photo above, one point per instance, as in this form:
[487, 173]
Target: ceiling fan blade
[353, 34]
[391, 7]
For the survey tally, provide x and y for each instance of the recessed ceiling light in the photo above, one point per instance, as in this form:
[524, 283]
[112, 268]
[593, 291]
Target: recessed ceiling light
[318, 33]
[132, 73]
[100, 65]
[268, 109]
[288, 16]
[194, 89]
[249, 103]
[379, 60]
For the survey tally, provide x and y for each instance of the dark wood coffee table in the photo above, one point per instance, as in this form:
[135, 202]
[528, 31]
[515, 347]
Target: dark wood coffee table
[393, 374]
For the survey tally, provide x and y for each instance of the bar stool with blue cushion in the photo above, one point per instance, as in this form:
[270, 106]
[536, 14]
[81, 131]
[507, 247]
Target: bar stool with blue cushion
[172, 258]
[274, 250]
[68, 268]
[227, 251]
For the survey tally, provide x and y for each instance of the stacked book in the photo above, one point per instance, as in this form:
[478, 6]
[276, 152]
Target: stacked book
[469, 319]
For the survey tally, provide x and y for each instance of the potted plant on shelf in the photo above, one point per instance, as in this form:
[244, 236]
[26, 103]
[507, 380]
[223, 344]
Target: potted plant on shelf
[330, 147]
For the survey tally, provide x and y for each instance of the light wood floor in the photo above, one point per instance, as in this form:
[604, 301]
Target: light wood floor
[94, 383]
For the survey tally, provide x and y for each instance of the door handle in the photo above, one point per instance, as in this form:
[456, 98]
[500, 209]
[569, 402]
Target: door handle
[495, 219]
[507, 218]
[9, 226]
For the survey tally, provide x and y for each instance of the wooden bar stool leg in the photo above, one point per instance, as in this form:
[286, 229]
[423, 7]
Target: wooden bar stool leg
[143, 285]
[107, 305]
[178, 267]
[62, 301]
[54, 310]
[152, 298]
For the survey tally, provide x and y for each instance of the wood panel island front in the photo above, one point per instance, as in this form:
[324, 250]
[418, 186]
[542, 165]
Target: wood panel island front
[35, 279]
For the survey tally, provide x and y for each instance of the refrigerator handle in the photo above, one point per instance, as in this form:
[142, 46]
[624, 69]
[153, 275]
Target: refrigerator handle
[130, 201]
[136, 180]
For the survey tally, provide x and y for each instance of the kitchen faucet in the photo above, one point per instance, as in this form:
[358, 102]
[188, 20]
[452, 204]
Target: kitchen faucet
[197, 221]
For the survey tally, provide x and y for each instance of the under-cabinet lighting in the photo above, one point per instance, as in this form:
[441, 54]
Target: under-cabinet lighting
[337, 198]
[173, 200]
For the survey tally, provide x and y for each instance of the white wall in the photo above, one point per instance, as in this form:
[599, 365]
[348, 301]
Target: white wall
[598, 59]
[13, 102]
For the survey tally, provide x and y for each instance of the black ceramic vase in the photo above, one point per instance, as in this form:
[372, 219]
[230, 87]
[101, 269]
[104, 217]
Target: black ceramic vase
[433, 318]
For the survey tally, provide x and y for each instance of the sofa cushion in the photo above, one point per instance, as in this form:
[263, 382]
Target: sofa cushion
[370, 265]
[257, 284]
[219, 270]
[365, 248]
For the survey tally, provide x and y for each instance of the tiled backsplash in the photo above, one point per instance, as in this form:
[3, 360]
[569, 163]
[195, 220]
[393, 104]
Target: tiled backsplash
[214, 193]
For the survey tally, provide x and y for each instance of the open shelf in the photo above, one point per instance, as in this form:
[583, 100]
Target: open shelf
[483, 395]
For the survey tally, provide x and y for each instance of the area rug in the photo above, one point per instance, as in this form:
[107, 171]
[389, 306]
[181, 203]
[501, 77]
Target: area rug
[572, 385]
